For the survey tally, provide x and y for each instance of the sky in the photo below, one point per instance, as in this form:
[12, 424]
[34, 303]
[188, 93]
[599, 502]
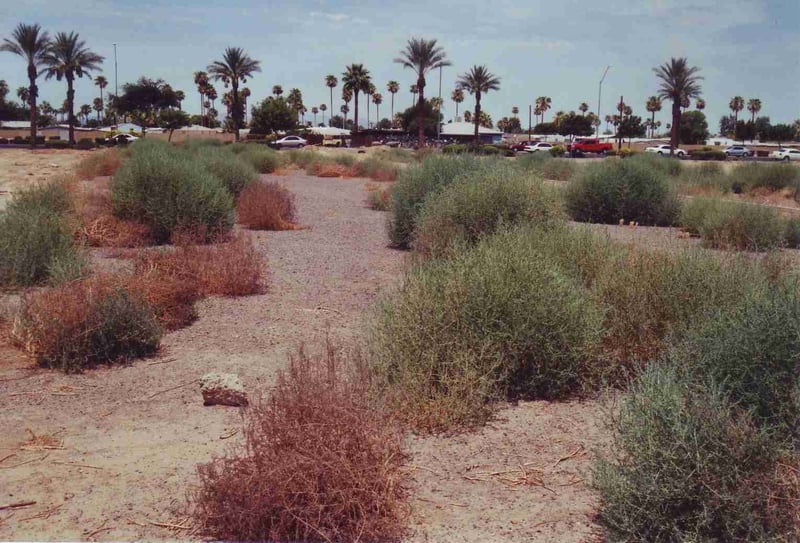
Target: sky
[560, 49]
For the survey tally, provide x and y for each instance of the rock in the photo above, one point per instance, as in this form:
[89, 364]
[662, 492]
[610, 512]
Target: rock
[222, 389]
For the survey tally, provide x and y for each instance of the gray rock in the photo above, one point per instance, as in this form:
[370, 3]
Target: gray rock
[222, 389]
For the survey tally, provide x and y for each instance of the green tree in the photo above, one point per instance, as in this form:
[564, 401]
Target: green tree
[478, 81]
[68, 58]
[679, 82]
[273, 114]
[653, 106]
[277, 90]
[101, 83]
[201, 80]
[583, 108]
[356, 79]
[392, 87]
[24, 94]
[97, 105]
[314, 111]
[543, 103]
[736, 105]
[144, 100]
[84, 111]
[409, 119]
[694, 127]
[181, 96]
[331, 82]
[422, 56]
[377, 99]
[323, 108]
[172, 120]
[235, 66]
[31, 43]
[572, 124]
[779, 133]
[754, 106]
[457, 96]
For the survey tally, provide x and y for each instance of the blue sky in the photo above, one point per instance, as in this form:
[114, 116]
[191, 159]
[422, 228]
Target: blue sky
[558, 49]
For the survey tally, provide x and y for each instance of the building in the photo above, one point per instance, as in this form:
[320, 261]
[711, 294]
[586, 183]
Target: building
[465, 132]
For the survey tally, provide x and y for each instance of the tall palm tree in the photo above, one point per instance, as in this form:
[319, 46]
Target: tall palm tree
[736, 105]
[377, 99]
[24, 94]
[344, 109]
[583, 108]
[414, 91]
[700, 104]
[422, 56]
[457, 96]
[331, 82]
[515, 111]
[277, 90]
[211, 94]
[543, 103]
[85, 110]
[31, 43]
[357, 79]
[371, 90]
[201, 80]
[180, 96]
[393, 87]
[679, 81]
[67, 58]
[245, 94]
[235, 66]
[478, 81]
[753, 106]
[315, 110]
[295, 99]
[101, 82]
[323, 108]
[653, 106]
[97, 105]
[537, 113]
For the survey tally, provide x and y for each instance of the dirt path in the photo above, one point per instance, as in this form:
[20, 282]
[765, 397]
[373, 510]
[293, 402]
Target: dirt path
[115, 449]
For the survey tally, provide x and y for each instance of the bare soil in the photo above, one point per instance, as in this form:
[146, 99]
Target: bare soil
[21, 167]
[110, 454]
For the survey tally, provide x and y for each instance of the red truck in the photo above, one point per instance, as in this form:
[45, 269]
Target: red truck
[589, 145]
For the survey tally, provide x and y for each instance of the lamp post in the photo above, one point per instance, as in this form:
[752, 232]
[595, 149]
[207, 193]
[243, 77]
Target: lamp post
[438, 122]
[599, 94]
[116, 85]
[530, 111]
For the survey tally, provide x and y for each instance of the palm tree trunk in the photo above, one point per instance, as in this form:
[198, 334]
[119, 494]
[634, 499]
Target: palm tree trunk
[676, 121]
[101, 102]
[421, 111]
[456, 110]
[32, 92]
[237, 111]
[652, 124]
[392, 119]
[355, 113]
[70, 106]
[477, 116]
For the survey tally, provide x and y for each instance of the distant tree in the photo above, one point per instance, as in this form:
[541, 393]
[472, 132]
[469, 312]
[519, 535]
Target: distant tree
[515, 111]
[631, 126]
[277, 90]
[700, 104]
[101, 83]
[356, 78]
[727, 126]
[331, 82]
[583, 108]
[414, 91]
[693, 128]
[377, 99]
[486, 120]
[24, 94]
[370, 92]
[653, 106]
[201, 80]
[543, 103]
[384, 124]
[457, 96]
[323, 108]
[392, 87]
[545, 129]
[314, 111]
[295, 100]
[467, 116]
[85, 110]
[172, 120]
[145, 99]
[97, 105]
[337, 121]
[422, 56]
[345, 109]
[745, 130]
[754, 106]
[572, 124]
[32, 44]
[181, 96]
[779, 133]
[409, 119]
[273, 114]
[736, 105]
[478, 81]
[236, 66]
[509, 125]
[762, 127]
[679, 82]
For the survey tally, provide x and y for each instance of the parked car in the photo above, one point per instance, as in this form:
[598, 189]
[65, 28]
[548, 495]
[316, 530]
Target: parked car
[739, 151]
[589, 145]
[537, 147]
[290, 141]
[663, 150]
[121, 139]
[518, 147]
[785, 154]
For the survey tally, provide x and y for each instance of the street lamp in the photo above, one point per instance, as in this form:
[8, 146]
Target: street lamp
[438, 122]
[599, 94]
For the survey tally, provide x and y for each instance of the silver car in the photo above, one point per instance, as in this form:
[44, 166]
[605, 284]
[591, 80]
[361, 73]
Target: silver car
[739, 151]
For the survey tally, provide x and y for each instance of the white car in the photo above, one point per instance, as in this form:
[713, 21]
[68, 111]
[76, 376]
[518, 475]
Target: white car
[536, 147]
[663, 150]
[122, 139]
[785, 154]
[290, 141]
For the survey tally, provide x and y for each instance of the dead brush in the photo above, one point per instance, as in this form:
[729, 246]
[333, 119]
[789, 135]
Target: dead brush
[99, 164]
[319, 463]
[378, 198]
[266, 206]
[231, 268]
[329, 169]
[98, 226]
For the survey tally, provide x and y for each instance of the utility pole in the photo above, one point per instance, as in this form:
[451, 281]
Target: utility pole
[530, 112]
[599, 94]
[620, 108]
[438, 111]
[116, 83]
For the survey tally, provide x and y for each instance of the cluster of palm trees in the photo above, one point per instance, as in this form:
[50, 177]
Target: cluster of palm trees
[737, 104]
[64, 57]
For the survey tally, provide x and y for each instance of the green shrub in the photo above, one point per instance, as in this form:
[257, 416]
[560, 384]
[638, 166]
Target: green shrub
[706, 176]
[170, 190]
[475, 149]
[546, 167]
[672, 167]
[36, 237]
[234, 172]
[304, 159]
[627, 153]
[629, 190]
[731, 225]
[57, 144]
[771, 176]
[415, 184]
[793, 233]
[478, 204]
[687, 466]
[201, 145]
[85, 143]
[708, 154]
[262, 158]
[494, 321]
[557, 151]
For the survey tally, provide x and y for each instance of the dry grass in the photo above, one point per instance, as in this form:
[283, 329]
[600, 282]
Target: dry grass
[99, 164]
[98, 226]
[329, 169]
[266, 206]
[162, 278]
[378, 198]
[319, 463]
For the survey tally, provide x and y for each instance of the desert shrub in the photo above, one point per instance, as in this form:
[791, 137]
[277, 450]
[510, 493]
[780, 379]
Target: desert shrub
[708, 154]
[772, 176]
[234, 173]
[345, 159]
[546, 167]
[731, 225]
[672, 167]
[495, 321]
[99, 164]
[167, 189]
[627, 153]
[303, 158]
[629, 190]
[375, 168]
[36, 236]
[415, 184]
[261, 157]
[379, 198]
[454, 149]
[85, 144]
[752, 350]
[793, 233]
[266, 206]
[237, 148]
[688, 465]
[230, 268]
[556, 151]
[319, 463]
[83, 323]
[708, 176]
[395, 154]
[477, 205]
[202, 145]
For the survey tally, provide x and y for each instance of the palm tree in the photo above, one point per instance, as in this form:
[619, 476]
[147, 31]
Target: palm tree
[422, 56]
[377, 99]
[543, 103]
[23, 93]
[467, 116]
[295, 99]
[371, 90]
[753, 106]
[679, 81]
[235, 66]
[201, 80]
[478, 81]
[356, 78]
[101, 82]
[97, 105]
[277, 90]
[31, 43]
[344, 109]
[211, 94]
[180, 96]
[653, 106]
[85, 110]
[315, 110]
[67, 58]
[515, 111]
[584, 107]
[700, 104]
[323, 108]
[331, 82]
[457, 96]
[393, 87]
[736, 105]
[414, 90]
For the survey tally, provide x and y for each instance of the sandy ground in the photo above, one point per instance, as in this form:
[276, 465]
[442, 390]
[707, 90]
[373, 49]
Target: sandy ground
[108, 453]
[20, 167]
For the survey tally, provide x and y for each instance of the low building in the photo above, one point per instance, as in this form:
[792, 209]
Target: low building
[461, 131]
